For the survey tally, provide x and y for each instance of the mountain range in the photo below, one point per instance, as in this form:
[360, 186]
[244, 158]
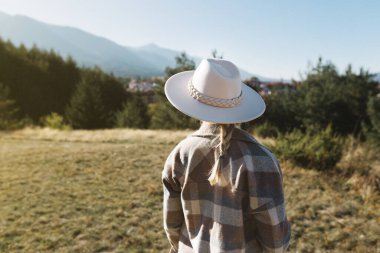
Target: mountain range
[89, 50]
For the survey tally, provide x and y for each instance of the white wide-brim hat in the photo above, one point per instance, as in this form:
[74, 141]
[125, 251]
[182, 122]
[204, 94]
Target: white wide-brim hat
[215, 93]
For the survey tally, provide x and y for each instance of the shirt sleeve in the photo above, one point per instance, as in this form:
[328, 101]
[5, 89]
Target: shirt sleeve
[172, 212]
[268, 210]
[273, 228]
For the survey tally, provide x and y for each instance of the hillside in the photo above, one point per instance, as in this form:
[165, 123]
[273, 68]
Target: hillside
[85, 48]
[90, 50]
[100, 191]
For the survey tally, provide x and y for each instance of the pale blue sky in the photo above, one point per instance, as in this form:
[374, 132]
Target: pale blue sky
[270, 38]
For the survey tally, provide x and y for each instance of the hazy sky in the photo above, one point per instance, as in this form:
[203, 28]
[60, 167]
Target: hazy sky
[270, 38]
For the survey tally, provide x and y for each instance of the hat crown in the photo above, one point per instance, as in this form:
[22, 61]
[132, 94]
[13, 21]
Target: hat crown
[217, 78]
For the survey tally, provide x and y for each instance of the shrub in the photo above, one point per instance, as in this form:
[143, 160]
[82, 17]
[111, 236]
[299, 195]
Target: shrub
[321, 150]
[266, 130]
[282, 111]
[55, 121]
[323, 97]
[373, 110]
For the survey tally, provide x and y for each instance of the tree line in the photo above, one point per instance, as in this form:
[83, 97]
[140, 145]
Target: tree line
[36, 84]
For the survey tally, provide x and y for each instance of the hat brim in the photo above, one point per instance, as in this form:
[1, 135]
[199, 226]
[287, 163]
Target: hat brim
[251, 106]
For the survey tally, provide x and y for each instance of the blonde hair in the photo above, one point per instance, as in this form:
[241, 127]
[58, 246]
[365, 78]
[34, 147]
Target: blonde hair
[223, 143]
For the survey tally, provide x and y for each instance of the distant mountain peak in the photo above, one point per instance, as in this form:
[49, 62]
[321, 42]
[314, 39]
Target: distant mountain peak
[150, 46]
[89, 50]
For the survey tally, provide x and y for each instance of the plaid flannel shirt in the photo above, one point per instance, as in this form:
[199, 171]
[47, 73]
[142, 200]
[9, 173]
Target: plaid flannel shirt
[246, 216]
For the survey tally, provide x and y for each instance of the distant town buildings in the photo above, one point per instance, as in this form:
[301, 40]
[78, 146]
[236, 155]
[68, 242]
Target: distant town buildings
[276, 87]
[264, 88]
[141, 86]
[268, 88]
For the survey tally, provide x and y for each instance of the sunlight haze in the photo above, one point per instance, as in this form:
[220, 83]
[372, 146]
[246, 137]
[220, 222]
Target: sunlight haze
[275, 39]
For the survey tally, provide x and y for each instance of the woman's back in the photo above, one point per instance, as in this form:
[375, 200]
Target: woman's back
[246, 215]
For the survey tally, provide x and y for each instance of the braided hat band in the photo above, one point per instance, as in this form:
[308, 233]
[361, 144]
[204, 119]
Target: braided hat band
[219, 102]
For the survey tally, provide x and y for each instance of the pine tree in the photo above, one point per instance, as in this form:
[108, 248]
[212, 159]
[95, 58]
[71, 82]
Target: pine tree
[86, 109]
[97, 98]
[8, 110]
[40, 82]
[134, 114]
[165, 116]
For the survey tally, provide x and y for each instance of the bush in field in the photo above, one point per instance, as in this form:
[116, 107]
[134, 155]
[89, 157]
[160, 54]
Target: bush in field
[134, 114]
[266, 130]
[325, 97]
[55, 121]
[373, 110]
[282, 111]
[319, 150]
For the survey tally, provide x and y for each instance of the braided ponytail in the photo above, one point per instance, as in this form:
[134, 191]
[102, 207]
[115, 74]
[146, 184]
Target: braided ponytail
[216, 175]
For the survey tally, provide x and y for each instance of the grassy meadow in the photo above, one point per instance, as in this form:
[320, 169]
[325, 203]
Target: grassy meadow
[100, 191]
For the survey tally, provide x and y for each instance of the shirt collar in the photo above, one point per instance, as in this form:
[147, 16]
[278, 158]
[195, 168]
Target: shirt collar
[208, 130]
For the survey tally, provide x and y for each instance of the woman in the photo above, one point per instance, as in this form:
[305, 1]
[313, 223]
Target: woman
[222, 189]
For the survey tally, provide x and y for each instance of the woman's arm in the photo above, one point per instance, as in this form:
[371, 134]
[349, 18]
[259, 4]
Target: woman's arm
[273, 228]
[173, 214]
[267, 204]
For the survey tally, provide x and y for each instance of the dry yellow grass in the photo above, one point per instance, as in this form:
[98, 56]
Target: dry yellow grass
[107, 135]
[362, 163]
[100, 191]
